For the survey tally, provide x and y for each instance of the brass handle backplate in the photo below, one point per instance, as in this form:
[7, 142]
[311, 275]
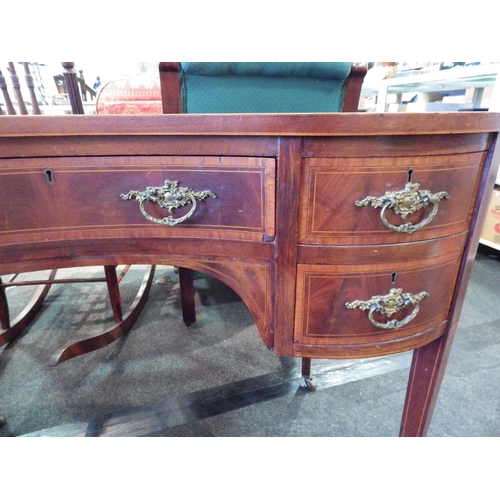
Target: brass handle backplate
[388, 305]
[169, 196]
[405, 202]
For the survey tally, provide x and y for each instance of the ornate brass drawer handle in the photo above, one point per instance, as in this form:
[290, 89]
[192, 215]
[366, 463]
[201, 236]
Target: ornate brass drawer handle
[405, 202]
[169, 196]
[388, 305]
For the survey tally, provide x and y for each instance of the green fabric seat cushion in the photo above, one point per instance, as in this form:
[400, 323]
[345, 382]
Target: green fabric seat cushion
[263, 87]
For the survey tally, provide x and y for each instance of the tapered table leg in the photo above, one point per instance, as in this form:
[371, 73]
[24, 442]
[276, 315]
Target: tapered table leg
[423, 386]
[306, 374]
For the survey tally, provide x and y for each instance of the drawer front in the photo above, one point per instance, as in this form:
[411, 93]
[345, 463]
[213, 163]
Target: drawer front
[343, 200]
[334, 302]
[81, 197]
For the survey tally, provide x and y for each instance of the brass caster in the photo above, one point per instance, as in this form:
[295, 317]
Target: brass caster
[310, 384]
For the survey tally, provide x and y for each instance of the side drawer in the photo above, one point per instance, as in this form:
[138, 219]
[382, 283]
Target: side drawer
[325, 326]
[330, 188]
[80, 197]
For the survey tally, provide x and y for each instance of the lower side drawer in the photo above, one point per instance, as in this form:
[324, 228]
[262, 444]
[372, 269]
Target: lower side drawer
[373, 309]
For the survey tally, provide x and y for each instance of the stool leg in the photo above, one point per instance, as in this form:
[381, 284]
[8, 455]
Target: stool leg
[114, 292]
[4, 308]
[187, 295]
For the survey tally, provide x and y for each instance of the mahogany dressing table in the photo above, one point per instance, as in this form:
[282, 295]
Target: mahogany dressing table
[346, 235]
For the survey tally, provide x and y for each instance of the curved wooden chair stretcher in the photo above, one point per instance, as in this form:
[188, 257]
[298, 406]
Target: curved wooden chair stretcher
[12, 329]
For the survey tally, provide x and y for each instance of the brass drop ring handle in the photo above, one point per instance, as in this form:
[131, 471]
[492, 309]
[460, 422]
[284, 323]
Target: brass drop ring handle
[405, 202]
[169, 196]
[388, 305]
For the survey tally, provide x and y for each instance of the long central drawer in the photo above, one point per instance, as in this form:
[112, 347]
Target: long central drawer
[91, 197]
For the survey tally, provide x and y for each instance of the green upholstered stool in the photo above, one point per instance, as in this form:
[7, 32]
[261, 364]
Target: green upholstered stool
[263, 87]
[257, 87]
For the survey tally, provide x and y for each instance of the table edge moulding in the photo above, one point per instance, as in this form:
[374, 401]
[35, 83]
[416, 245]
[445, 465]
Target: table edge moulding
[347, 235]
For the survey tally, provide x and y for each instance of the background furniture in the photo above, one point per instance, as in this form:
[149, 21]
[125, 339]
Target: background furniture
[471, 77]
[74, 87]
[16, 87]
[138, 94]
[319, 266]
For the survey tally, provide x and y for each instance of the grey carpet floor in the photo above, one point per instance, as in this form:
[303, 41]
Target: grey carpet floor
[217, 378]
